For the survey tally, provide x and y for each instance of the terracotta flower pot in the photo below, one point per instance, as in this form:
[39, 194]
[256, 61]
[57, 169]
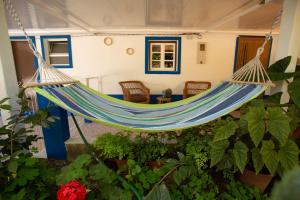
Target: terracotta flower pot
[154, 164]
[261, 181]
[121, 163]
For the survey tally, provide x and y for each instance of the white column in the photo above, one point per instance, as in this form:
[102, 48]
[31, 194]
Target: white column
[8, 78]
[289, 39]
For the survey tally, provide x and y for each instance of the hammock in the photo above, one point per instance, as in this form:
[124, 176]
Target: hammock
[245, 84]
[219, 101]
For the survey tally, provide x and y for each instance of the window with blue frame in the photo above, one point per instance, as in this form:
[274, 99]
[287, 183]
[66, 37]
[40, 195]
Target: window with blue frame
[162, 55]
[57, 50]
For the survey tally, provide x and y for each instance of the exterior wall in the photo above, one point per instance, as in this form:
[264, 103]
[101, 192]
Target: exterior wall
[91, 57]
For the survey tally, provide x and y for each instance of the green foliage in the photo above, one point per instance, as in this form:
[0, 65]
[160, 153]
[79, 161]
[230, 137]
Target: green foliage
[96, 176]
[193, 184]
[198, 150]
[224, 129]
[113, 146]
[237, 190]
[159, 193]
[77, 170]
[217, 151]
[17, 134]
[240, 151]
[149, 149]
[260, 139]
[288, 187]
[27, 178]
[277, 72]
[22, 176]
[293, 89]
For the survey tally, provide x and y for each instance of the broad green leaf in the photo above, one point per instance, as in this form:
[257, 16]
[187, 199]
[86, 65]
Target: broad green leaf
[279, 76]
[269, 156]
[293, 112]
[240, 151]
[293, 89]
[181, 174]
[274, 98]
[256, 124]
[160, 192]
[217, 151]
[82, 160]
[257, 160]
[225, 131]
[13, 165]
[102, 173]
[3, 100]
[5, 107]
[225, 163]
[280, 65]
[257, 103]
[112, 192]
[288, 155]
[278, 124]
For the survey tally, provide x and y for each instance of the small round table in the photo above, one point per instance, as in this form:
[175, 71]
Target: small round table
[161, 100]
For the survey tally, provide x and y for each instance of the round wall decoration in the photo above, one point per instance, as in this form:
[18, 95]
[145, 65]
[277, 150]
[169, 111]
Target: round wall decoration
[108, 41]
[130, 51]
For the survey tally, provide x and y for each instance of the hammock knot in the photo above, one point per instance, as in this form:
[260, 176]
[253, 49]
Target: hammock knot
[259, 51]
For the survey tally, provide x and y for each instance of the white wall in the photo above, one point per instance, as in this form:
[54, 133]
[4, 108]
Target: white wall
[91, 57]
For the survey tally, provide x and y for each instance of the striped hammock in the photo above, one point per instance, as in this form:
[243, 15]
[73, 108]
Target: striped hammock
[245, 84]
[202, 108]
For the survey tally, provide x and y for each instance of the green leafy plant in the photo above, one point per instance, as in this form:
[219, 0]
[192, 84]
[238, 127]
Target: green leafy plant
[288, 187]
[22, 176]
[97, 177]
[237, 190]
[27, 178]
[149, 149]
[113, 146]
[260, 138]
[277, 72]
[190, 183]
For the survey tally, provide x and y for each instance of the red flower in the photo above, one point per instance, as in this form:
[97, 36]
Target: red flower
[73, 190]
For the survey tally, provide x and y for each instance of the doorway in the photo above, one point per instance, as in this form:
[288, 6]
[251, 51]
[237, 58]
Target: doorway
[246, 50]
[25, 61]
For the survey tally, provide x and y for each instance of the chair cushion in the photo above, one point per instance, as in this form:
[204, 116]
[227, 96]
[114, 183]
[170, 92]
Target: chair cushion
[138, 98]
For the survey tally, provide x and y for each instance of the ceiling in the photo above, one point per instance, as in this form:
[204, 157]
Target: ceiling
[101, 15]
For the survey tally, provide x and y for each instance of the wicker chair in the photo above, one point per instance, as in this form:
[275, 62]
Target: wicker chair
[135, 91]
[192, 88]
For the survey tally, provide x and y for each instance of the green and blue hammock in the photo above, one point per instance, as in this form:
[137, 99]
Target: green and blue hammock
[245, 84]
[218, 101]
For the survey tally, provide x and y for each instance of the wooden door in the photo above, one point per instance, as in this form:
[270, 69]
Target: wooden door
[246, 50]
[24, 60]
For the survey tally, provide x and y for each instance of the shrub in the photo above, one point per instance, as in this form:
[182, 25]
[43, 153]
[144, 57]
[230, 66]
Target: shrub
[113, 146]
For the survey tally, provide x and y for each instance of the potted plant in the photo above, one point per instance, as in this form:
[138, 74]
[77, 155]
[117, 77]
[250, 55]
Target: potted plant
[117, 147]
[149, 150]
[259, 139]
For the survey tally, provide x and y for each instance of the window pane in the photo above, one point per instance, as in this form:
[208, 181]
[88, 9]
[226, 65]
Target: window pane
[169, 64]
[156, 56]
[169, 48]
[155, 64]
[59, 60]
[169, 56]
[156, 48]
[58, 46]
